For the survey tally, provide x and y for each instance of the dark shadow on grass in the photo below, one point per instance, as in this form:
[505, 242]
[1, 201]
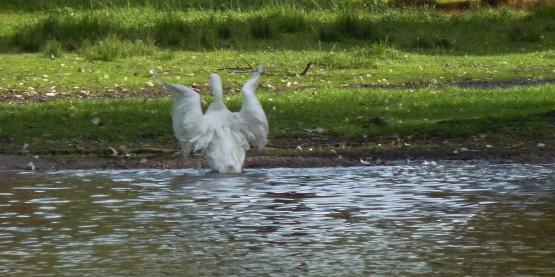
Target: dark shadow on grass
[142, 121]
[477, 33]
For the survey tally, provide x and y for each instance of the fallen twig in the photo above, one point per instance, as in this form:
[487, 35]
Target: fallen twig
[308, 65]
[237, 69]
[252, 68]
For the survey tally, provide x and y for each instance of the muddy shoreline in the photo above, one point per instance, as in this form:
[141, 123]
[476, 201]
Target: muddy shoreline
[393, 154]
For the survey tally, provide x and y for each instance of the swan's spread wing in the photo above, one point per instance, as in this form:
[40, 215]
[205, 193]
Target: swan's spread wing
[186, 115]
[251, 112]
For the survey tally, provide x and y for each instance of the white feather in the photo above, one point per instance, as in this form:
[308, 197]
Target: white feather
[186, 115]
[222, 135]
[252, 113]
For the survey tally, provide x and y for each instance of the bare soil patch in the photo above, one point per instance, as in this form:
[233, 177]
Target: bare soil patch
[391, 153]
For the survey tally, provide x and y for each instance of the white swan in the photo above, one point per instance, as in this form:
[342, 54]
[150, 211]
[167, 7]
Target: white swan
[222, 135]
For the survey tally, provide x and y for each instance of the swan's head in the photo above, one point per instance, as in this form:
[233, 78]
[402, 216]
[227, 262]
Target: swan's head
[215, 85]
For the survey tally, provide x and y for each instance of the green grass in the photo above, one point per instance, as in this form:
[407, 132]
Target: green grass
[73, 123]
[72, 73]
[421, 114]
[484, 31]
[342, 114]
[105, 49]
[183, 4]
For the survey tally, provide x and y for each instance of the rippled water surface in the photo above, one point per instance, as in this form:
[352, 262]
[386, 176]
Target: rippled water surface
[446, 219]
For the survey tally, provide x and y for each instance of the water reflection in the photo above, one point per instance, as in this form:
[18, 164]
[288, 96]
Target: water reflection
[453, 218]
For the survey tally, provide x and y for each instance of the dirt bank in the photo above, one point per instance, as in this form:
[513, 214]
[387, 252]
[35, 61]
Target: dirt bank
[307, 156]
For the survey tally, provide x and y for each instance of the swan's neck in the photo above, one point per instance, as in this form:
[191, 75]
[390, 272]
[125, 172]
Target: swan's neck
[216, 87]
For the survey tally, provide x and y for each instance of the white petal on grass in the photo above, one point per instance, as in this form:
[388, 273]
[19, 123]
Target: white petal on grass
[315, 130]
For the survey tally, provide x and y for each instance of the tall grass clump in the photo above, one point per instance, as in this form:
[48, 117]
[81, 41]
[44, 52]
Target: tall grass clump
[262, 28]
[349, 26]
[534, 27]
[69, 30]
[293, 21]
[544, 9]
[52, 48]
[524, 33]
[287, 27]
[172, 30]
[212, 5]
[112, 48]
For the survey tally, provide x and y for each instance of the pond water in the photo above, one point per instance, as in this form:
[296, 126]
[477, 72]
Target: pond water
[449, 218]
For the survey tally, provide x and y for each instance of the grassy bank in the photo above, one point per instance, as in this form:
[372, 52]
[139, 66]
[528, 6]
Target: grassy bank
[326, 117]
[76, 76]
